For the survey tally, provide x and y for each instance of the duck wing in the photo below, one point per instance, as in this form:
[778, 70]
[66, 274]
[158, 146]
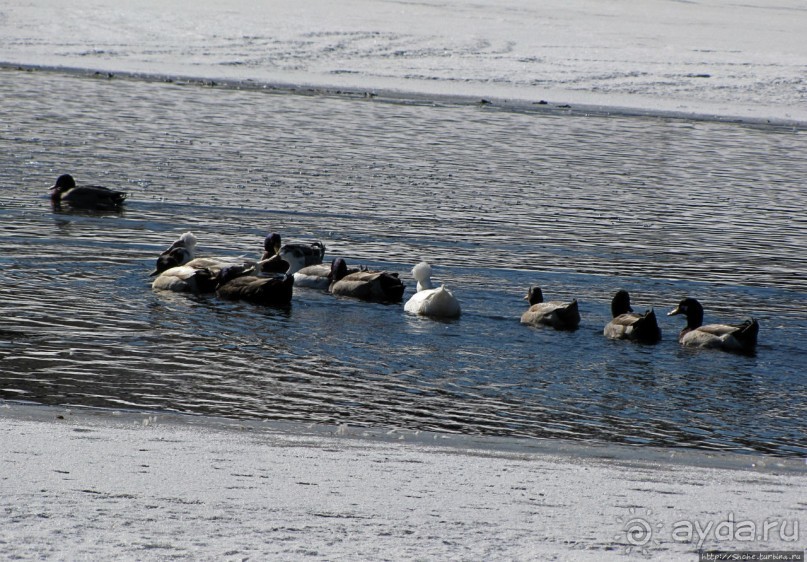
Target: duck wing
[305, 255]
[379, 286]
[185, 279]
[94, 197]
[259, 290]
[732, 337]
[438, 302]
[634, 326]
[313, 277]
[563, 315]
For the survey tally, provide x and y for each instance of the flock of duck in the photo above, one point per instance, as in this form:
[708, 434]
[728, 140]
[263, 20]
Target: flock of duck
[270, 281]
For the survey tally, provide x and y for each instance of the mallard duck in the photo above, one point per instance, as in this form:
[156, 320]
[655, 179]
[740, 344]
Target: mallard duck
[559, 315]
[179, 253]
[729, 337]
[377, 286]
[93, 197]
[289, 258]
[239, 283]
[428, 301]
[186, 279]
[629, 325]
[318, 276]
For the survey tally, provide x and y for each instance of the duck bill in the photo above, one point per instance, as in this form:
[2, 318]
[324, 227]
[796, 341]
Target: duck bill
[674, 311]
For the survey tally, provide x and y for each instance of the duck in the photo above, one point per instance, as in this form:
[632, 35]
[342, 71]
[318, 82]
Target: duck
[289, 258]
[91, 197]
[179, 253]
[430, 301]
[559, 315]
[740, 338]
[241, 283]
[376, 286]
[629, 325]
[319, 276]
[186, 279]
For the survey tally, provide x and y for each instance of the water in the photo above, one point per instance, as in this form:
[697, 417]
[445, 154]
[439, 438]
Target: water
[495, 200]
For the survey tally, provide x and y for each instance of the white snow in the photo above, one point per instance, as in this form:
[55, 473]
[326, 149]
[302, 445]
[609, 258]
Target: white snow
[714, 57]
[86, 484]
[96, 485]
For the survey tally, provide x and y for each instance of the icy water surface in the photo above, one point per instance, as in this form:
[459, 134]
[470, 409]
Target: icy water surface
[496, 200]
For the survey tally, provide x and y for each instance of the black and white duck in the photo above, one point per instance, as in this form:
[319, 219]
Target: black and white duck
[289, 258]
[180, 252]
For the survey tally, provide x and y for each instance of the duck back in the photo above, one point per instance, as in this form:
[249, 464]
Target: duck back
[440, 303]
[272, 291]
[634, 326]
[378, 286]
[559, 315]
[739, 338]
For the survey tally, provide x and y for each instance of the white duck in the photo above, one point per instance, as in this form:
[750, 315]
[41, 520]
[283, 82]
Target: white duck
[428, 301]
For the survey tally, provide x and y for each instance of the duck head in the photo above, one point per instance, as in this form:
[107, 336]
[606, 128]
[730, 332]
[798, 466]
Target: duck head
[692, 309]
[271, 245]
[422, 273]
[534, 296]
[65, 182]
[620, 304]
[338, 270]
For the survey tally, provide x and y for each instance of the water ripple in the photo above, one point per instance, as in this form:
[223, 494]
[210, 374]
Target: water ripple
[496, 200]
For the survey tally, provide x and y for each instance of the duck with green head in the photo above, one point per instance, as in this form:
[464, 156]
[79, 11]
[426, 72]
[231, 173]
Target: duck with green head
[740, 338]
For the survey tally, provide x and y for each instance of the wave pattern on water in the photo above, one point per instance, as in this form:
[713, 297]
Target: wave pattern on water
[496, 200]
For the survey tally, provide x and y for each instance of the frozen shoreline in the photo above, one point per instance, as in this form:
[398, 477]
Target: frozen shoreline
[419, 97]
[707, 58]
[102, 484]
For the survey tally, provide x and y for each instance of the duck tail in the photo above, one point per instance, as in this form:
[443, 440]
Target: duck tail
[569, 314]
[646, 328]
[392, 287]
[747, 333]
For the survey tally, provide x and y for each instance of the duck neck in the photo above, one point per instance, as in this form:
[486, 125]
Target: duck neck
[694, 319]
[425, 284]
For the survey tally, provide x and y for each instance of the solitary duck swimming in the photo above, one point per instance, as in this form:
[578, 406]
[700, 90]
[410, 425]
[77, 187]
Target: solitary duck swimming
[559, 315]
[92, 197]
[629, 325]
[179, 253]
[729, 337]
[428, 300]
[377, 286]
[289, 258]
